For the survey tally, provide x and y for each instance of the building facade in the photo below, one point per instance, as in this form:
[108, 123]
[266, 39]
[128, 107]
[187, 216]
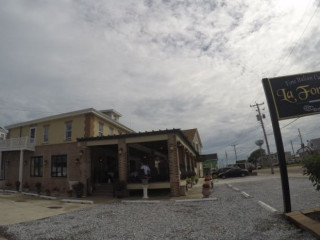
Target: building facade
[46, 150]
[94, 148]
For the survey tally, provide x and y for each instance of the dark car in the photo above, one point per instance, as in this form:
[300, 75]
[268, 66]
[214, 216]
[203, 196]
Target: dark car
[232, 172]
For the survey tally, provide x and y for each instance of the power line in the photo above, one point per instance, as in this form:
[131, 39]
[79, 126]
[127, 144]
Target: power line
[295, 45]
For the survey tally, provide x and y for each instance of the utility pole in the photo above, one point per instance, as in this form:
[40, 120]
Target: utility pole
[302, 144]
[294, 155]
[259, 118]
[292, 147]
[235, 151]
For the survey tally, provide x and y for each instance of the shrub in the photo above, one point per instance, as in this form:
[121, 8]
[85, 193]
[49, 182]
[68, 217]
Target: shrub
[48, 192]
[8, 184]
[311, 168]
[17, 185]
[38, 187]
[78, 187]
[56, 189]
[26, 185]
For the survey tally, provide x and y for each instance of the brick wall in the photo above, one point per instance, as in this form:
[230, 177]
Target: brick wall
[122, 146]
[12, 160]
[173, 166]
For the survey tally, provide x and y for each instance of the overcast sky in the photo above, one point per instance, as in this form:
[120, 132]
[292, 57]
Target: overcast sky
[161, 64]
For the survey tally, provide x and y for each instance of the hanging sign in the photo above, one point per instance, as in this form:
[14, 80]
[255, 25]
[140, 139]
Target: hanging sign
[295, 95]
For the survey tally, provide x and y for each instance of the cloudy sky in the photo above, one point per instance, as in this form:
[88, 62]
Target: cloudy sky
[162, 64]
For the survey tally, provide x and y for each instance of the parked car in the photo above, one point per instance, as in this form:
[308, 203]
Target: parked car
[232, 172]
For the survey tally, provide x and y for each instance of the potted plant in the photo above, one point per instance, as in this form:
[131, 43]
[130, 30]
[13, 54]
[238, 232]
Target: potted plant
[8, 185]
[78, 189]
[69, 192]
[56, 191]
[38, 187]
[189, 182]
[18, 185]
[26, 187]
[196, 179]
[48, 192]
[208, 179]
[206, 190]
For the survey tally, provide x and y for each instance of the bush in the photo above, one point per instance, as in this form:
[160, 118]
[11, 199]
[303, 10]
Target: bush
[78, 186]
[311, 168]
[26, 185]
[38, 187]
[17, 185]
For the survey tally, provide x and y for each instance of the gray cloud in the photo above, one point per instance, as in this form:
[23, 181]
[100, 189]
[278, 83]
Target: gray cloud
[162, 64]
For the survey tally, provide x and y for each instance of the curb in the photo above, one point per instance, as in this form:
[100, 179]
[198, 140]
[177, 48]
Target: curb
[197, 200]
[267, 207]
[77, 201]
[140, 201]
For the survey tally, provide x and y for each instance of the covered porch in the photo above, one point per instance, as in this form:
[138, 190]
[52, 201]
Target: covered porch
[12, 147]
[169, 155]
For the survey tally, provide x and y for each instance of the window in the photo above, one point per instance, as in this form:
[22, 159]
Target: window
[100, 129]
[111, 131]
[32, 134]
[45, 133]
[59, 165]
[68, 130]
[1, 136]
[36, 164]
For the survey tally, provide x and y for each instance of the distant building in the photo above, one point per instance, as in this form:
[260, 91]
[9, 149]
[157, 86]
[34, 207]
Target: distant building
[210, 162]
[265, 161]
[314, 144]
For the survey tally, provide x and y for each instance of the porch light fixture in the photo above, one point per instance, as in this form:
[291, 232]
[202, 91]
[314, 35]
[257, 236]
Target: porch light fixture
[45, 162]
[171, 147]
[120, 151]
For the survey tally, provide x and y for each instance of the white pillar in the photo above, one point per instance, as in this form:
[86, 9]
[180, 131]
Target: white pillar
[145, 191]
[21, 169]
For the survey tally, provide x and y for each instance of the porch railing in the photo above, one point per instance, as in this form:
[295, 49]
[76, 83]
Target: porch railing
[23, 143]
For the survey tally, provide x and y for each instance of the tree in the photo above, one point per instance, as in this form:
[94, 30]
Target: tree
[311, 168]
[255, 155]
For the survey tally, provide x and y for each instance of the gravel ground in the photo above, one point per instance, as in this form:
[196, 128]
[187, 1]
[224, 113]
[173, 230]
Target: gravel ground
[303, 194]
[231, 216]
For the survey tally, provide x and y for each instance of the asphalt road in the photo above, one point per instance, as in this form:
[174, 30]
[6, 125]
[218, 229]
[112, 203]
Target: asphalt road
[267, 187]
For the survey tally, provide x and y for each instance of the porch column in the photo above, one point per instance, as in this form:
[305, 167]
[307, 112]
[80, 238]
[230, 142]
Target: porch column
[21, 169]
[122, 160]
[173, 166]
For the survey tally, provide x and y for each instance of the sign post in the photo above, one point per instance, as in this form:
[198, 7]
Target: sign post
[290, 97]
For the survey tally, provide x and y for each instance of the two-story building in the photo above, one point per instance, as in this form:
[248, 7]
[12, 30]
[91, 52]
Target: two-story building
[93, 147]
[46, 150]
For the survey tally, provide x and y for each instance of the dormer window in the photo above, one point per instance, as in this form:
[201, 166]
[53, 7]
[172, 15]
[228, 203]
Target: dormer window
[100, 130]
[111, 131]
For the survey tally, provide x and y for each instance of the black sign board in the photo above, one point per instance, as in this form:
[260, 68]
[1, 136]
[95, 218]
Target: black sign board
[295, 95]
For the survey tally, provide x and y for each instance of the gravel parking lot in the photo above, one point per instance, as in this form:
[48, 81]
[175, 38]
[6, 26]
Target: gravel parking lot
[231, 216]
